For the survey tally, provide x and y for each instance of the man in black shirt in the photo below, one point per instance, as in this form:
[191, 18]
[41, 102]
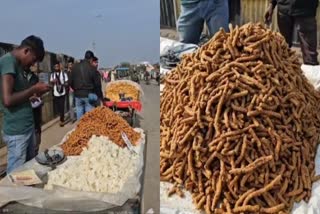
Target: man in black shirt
[84, 82]
[302, 14]
[98, 88]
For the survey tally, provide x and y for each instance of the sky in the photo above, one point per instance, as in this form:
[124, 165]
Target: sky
[116, 30]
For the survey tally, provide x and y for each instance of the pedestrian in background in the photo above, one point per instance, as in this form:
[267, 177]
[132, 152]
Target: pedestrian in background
[70, 94]
[302, 14]
[83, 82]
[59, 79]
[98, 87]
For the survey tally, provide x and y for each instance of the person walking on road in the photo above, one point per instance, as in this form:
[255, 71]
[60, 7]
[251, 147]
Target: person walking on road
[70, 94]
[83, 82]
[59, 79]
[195, 12]
[18, 131]
[301, 14]
[98, 87]
[113, 75]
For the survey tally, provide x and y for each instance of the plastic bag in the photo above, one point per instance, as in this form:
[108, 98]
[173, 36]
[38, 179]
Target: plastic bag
[313, 74]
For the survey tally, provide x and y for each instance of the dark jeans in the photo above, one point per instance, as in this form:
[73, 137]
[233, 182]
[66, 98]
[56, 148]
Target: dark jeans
[307, 33]
[60, 104]
[38, 140]
[37, 115]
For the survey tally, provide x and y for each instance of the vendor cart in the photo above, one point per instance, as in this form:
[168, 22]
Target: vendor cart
[126, 109]
[124, 98]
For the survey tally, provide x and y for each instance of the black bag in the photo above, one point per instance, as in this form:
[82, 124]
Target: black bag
[60, 86]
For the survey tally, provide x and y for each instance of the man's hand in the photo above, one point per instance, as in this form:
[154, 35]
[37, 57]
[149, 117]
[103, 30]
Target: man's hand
[41, 88]
[11, 98]
[268, 15]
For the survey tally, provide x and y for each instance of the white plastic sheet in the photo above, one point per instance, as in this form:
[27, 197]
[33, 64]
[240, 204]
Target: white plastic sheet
[67, 200]
[166, 44]
[313, 74]
[177, 205]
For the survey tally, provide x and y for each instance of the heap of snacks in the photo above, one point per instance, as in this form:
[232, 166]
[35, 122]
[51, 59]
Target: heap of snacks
[127, 87]
[240, 124]
[102, 167]
[100, 121]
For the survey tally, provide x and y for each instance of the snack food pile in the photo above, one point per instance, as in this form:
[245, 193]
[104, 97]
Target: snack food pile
[127, 87]
[102, 167]
[239, 124]
[100, 121]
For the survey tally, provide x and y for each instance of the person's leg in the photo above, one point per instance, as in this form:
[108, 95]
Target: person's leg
[38, 140]
[216, 14]
[78, 107]
[55, 105]
[31, 149]
[71, 106]
[307, 33]
[88, 107]
[190, 24]
[17, 150]
[286, 26]
[67, 100]
[61, 108]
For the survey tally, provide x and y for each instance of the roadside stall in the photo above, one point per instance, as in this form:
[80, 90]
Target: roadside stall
[232, 149]
[124, 98]
[98, 165]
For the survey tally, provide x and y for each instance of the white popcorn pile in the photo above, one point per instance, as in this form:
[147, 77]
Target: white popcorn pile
[103, 167]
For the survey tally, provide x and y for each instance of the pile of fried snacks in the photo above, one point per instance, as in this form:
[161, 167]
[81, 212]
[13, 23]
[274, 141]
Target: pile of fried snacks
[129, 88]
[239, 124]
[100, 121]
